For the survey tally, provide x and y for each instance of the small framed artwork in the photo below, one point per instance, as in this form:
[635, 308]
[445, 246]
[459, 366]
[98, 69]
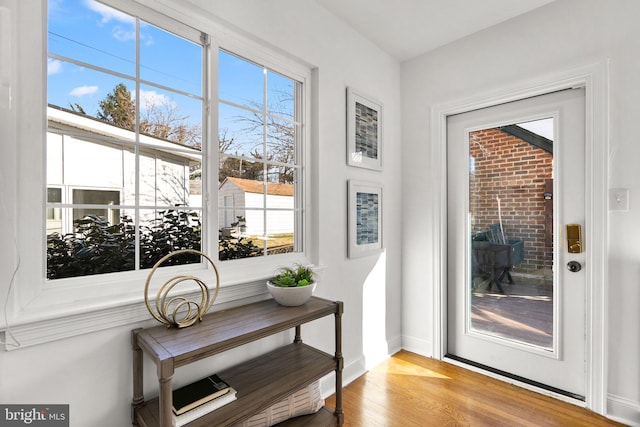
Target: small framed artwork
[365, 218]
[364, 131]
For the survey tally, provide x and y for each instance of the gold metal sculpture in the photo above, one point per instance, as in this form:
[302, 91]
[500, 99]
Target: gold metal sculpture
[178, 311]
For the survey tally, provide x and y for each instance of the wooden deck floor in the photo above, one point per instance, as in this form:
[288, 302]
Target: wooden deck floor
[410, 390]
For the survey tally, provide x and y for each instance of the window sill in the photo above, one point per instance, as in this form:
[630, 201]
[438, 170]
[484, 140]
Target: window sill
[29, 329]
[76, 307]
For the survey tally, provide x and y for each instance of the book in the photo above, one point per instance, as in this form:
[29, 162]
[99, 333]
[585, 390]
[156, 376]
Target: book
[204, 409]
[197, 393]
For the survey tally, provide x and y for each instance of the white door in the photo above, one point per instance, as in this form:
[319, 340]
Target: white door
[515, 180]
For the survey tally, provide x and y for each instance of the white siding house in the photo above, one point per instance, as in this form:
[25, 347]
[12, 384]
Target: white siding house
[239, 197]
[91, 162]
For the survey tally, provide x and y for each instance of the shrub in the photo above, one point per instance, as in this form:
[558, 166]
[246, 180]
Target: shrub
[97, 247]
[231, 248]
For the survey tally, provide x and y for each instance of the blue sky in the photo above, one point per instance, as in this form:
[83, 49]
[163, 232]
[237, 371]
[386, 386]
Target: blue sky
[90, 32]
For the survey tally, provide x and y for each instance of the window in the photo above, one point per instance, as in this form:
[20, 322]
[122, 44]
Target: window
[121, 177]
[96, 197]
[260, 120]
[125, 140]
[127, 162]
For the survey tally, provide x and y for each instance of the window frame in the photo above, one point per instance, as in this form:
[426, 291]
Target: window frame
[279, 62]
[298, 120]
[41, 311]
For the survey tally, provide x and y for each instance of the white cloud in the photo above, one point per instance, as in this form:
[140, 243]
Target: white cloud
[53, 66]
[152, 98]
[83, 90]
[123, 35]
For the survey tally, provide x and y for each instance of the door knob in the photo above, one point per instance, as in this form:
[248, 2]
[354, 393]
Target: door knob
[574, 266]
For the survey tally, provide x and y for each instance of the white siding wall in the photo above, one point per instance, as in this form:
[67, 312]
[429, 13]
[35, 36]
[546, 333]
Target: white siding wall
[75, 163]
[226, 217]
[278, 222]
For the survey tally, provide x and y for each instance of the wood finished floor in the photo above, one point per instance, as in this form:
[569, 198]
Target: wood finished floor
[411, 390]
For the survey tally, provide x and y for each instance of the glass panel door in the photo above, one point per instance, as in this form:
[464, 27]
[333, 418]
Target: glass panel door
[515, 179]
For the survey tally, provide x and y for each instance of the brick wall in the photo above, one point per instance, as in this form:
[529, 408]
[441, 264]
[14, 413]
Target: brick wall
[515, 171]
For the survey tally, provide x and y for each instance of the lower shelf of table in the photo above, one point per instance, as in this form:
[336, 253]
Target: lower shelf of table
[259, 383]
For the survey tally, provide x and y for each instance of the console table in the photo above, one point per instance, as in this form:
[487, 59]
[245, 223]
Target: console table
[259, 382]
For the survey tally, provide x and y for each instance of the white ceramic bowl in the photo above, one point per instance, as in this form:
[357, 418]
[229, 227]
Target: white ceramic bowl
[291, 296]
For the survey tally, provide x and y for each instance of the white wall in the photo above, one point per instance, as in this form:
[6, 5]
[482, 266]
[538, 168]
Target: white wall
[558, 37]
[93, 372]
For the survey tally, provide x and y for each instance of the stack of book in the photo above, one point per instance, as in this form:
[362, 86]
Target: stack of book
[199, 398]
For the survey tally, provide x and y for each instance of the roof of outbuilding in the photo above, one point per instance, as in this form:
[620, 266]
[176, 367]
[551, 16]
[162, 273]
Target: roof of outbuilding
[253, 186]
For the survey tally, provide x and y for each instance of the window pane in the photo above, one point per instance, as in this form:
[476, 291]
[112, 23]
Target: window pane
[281, 141]
[241, 218]
[280, 196]
[511, 232]
[241, 131]
[167, 230]
[111, 43]
[240, 81]
[164, 179]
[54, 159]
[194, 196]
[182, 72]
[238, 167]
[54, 195]
[169, 116]
[97, 197]
[93, 245]
[280, 95]
[244, 193]
[80, 167]
[92, 93]
[280, 241]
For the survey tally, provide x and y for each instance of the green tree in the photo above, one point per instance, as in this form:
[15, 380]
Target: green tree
[118, 108]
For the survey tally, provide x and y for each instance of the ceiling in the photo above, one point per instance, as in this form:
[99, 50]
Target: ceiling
[408, 28]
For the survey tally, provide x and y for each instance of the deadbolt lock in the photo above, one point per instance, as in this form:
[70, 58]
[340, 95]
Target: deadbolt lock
[574, 238]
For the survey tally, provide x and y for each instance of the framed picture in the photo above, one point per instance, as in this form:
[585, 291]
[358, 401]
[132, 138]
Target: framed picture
[365, 218]
[364, 131]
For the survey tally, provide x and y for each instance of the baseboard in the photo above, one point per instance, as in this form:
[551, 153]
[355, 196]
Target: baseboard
[394, 345]
[623, 410]
[417, 345]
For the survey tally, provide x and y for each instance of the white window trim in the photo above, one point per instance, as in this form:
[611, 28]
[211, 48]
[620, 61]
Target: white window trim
[40, 311]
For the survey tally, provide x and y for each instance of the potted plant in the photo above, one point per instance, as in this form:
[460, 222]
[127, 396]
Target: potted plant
[292, 286]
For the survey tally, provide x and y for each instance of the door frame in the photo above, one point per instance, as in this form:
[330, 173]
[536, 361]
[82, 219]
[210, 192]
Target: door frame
[594, 78]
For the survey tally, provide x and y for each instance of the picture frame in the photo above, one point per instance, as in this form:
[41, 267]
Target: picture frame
[364, 131]
[364, 218]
